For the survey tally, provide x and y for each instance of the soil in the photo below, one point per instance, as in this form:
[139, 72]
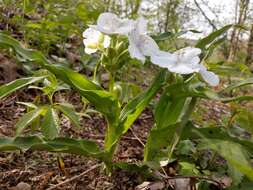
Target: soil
[41, 170]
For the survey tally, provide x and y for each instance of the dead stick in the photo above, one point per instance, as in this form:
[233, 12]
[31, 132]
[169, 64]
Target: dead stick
[137, 138]
[74, 178]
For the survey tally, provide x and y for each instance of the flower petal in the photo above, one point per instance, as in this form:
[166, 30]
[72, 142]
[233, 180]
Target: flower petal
[182, 69]
[141, 25]
[211, 78]
[89, 50]
[110, 23]
[107, 41]
[148, 46]
[135, 52]
[91, 34]
[188, 53]
[163, 59]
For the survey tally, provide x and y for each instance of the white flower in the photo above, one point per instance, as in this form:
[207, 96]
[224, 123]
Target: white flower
[140, 44]
[211, 78]
[94, 40]
[110, 23]
[185, 61]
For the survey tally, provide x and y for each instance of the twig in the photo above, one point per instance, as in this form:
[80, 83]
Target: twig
[204, 14]
[74, 178]
[137, 138]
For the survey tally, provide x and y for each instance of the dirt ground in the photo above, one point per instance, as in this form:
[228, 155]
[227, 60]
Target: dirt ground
[41, 169]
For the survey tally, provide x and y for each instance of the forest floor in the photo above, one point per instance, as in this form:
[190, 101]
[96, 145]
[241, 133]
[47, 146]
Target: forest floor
[41, 170]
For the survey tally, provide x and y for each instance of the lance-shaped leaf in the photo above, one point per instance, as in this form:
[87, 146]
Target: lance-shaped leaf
[69, 111]
[133, 109]
[245, 82]
[235, 150]
[234, 153]
[50, 125]
[104, 101]
[214, 133]
[28, 118]
[158, 140]
[7, 89]
[63, 145]
[203, 43]
[168, 109]
[168, 115]
[27, 54]
[181, 90]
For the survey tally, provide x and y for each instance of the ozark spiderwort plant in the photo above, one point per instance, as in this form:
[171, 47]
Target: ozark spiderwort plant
[179, 84]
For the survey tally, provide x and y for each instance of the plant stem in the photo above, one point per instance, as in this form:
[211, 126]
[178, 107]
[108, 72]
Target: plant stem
[181, 126]
[111, 82]
[95, 71]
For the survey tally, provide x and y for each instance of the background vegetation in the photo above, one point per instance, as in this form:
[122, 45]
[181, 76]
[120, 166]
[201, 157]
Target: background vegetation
[55, 29]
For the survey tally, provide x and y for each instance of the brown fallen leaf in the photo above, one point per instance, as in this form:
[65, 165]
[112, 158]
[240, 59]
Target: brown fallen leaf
[159, 185]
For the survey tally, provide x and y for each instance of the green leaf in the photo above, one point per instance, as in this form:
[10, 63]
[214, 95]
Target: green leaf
[133, 109]
[245, 82]
[27, 119]
[132, 167]
[203, 43]
[126, 91]
[63, 145]
[69, 111]
[236, 151]
[211, 37]
[243, 186]
[168, 109]
[193, 132]
[199, 90]
[50, 125]
[158, 140]
[104, 101]
[26, 54]
[188, 169]
[233, 152]
[236, 176]
[7, 89]
[163, 36]
[28, 105]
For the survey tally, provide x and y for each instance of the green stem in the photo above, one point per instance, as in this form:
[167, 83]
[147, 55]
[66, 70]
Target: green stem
[96, 71]
[111, 82]
[181, 125]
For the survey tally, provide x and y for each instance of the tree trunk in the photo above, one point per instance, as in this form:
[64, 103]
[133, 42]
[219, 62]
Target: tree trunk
[249, 58]
[234, 42]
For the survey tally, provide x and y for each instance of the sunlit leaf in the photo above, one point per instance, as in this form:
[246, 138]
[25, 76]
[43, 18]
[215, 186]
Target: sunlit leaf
[64, 145]
[7, 89]
[133, 109]
[28, 118]
[69, 111]
[50, 125]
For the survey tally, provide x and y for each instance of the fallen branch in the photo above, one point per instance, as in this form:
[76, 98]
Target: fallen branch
[74, 178]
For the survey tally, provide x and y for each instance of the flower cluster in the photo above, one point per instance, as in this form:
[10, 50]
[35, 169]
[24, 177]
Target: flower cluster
[141, 45]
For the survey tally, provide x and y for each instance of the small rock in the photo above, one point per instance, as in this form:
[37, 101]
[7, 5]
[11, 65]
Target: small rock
[22, 186]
